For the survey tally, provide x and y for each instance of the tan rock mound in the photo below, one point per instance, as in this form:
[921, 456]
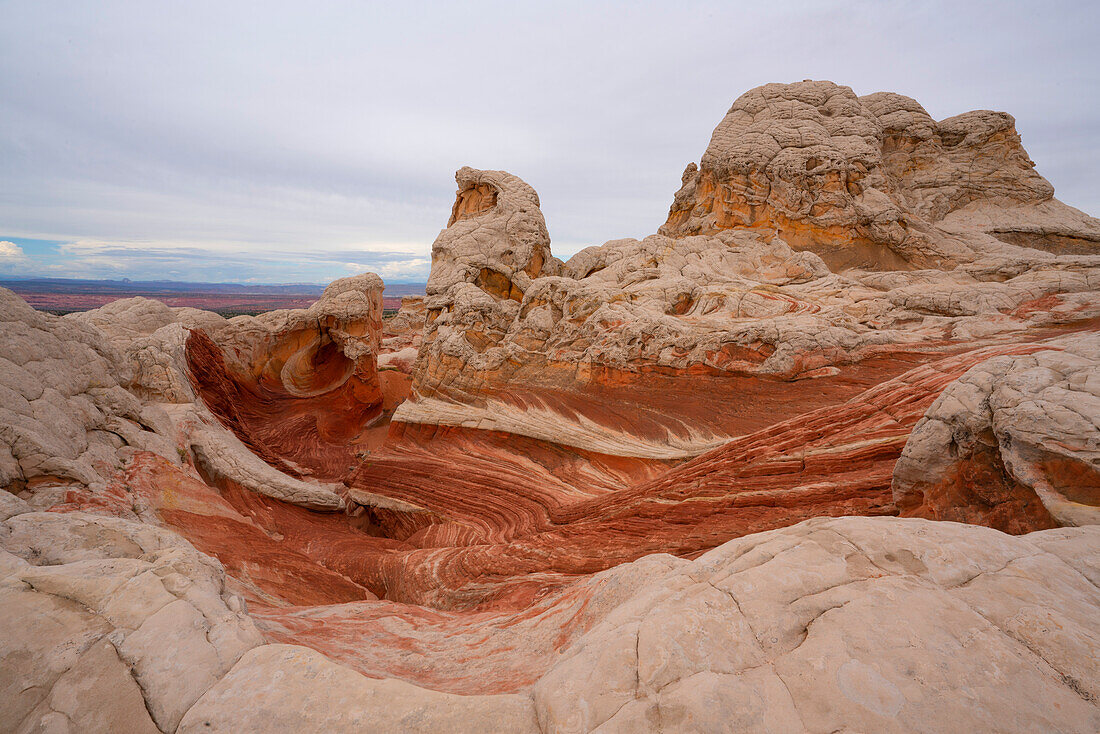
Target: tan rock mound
[88, 390]
[853, 623]
[64, 413]
[859, 624]
[110, 623]
[863, 181]
[1013, 444]
[405, 328]
[627, 322]
[496, 239]
[300, 387]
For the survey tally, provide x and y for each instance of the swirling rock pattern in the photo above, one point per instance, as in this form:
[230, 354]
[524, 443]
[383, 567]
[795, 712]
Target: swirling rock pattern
[653, 488]
[299, 387]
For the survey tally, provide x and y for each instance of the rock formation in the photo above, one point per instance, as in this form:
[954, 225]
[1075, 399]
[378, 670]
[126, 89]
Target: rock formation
[299, 387]
[798, 629]
[864, 181]
[654, 488]
[768, 265]
[1014, 443]
[65, 413]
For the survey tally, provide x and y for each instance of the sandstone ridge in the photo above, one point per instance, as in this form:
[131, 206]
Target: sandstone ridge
[866, 181]
[822, 230]
[820, 455]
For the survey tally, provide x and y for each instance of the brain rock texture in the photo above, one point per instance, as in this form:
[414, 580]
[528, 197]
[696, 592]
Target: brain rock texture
[819, 455]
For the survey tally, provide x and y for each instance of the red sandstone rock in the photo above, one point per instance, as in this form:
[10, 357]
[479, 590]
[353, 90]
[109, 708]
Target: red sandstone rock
[838, 460]
[604, 497]
[1013, 444]
[299, 388]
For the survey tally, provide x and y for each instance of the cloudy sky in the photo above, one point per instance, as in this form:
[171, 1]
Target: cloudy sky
[299, 142]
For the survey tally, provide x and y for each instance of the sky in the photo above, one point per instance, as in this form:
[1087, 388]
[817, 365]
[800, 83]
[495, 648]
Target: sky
[279, 142]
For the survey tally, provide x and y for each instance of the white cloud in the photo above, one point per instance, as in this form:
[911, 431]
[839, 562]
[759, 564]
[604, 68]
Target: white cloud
[11, 252]
[198, 261]
[412, 269]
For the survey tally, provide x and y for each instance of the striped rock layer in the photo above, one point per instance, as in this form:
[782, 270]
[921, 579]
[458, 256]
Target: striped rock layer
[822, 454]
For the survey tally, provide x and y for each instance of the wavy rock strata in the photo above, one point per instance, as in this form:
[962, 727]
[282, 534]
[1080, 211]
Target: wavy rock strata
[653, 488]
[738, 283]
[682, 644]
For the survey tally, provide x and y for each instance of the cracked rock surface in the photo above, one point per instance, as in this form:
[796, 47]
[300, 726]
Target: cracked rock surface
[820, 455]
[853, 623]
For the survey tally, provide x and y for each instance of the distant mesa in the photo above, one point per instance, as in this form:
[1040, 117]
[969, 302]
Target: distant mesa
[66, 295]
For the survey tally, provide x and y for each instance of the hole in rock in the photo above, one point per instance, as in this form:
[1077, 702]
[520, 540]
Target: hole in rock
[316, 432]
[316, 369]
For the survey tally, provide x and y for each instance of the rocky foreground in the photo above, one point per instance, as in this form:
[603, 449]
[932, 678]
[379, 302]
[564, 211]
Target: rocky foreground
[821, 455]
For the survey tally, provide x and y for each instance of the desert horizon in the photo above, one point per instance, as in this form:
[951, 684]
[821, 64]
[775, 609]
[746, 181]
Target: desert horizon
[60, 296]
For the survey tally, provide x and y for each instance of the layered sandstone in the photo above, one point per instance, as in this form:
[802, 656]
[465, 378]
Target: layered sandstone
[628, 319]
[771, 264]
[1013, 444]
[516, 525]
[663, 643]
[236, 398]
[300, 387]
[864, 181]
[653, 488]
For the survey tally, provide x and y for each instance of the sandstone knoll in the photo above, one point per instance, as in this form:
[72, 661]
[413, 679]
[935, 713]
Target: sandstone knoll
[654, 488]
[1012, 444]
[301, 386]
[516, 342]
[872, 181]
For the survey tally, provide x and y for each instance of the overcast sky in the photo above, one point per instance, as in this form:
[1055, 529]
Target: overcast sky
[301, 142]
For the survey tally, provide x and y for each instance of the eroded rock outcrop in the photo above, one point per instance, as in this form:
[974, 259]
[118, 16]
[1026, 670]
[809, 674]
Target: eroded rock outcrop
[401, 337]
[791, 252]
[863, 181]
[131, 605]
[621, 493]
[64, 413]
[495, 239]
[270, 406]
[405, 328]
[493, 248]
[531, 529]
[298, 386]
[1013, 444]
[640, 315]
